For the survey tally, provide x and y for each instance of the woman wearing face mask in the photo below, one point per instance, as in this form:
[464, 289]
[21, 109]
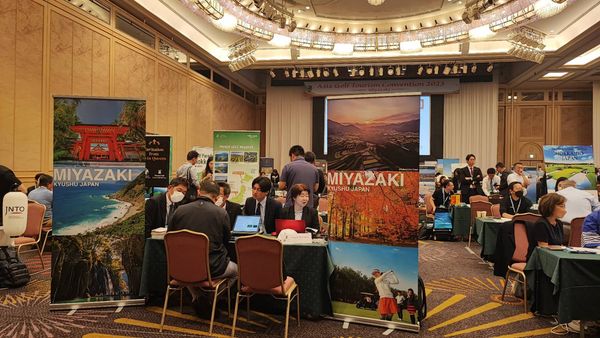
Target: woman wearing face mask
[549, 229]
[300, 210]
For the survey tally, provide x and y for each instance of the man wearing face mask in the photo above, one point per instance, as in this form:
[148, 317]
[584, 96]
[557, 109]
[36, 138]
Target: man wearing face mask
[233, 209]
[159, 208]
[516, 203]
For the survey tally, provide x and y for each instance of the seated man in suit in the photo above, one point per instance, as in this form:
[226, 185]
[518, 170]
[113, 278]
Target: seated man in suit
[233, 209]
[260, 204]
[515, 202]
[158, 208]
[441, 196]
[299, 210]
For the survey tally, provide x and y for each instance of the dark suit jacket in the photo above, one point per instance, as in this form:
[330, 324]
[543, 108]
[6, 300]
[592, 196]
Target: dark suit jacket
[272, 211]
[233, 210]
[465, 185]
[440, 198]
[156, 211]
[310, 216]
[202, 215]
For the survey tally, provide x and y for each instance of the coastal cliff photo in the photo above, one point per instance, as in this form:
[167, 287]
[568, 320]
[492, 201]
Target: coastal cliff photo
[99, 154]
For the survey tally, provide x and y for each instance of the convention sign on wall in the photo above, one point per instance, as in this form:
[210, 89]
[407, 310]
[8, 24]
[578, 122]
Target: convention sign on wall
[158, 160]
[98, 207]
[236, 161]
[426, 86]
[373, 184]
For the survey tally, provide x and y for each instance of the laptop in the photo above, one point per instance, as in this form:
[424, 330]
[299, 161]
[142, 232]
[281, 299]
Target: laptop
[297, 225]
[246, 225]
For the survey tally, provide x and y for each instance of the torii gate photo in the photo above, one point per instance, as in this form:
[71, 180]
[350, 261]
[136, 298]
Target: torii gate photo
[99, 143]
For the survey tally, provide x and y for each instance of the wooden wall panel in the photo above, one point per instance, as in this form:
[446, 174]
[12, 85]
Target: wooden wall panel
[82, 60]
[28, 85]
[76, 55]
[100, 65]
[8, 41]
[531, 122]
[61, 54]
[575, 125]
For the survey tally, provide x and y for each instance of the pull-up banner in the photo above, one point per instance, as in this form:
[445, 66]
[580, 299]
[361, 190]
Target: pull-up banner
[373, 184]
[158, 160]
[98, 207]
[236, 161]
[425, 86]
[575, 163]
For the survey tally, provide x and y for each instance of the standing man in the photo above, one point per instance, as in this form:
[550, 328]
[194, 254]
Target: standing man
[262, 205]
[471, 178]
[519, 175]
[503, 173]
[310, 158]
[43, 194]
[233, 209]
[159, 208]
[189, 171]
[490, 183]
[202, 215]
[298, 171]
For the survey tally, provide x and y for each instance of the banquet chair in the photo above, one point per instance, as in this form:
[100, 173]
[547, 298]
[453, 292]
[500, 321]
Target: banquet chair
[576, 231]
[429, 207]
[496, 210]
[527, 217]
[47, 229]
[33, 230]
[519, 259]
[478, 198]
[188, 266]
[477, 206]
[260, 268]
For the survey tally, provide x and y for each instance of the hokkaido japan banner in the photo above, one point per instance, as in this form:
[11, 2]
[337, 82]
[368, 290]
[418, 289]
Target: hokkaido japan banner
[98, 207]
[575, 163]
[373, 184]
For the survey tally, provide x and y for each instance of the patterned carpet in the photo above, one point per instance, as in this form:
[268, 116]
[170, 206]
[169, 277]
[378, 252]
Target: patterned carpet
[463, 301]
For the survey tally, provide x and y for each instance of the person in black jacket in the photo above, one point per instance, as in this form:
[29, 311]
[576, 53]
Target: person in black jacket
[470, 180]
[202, 215]
[233, 209]
[261, 204]
[515, 202]
[549, 229]
[299, 210]
[441, 197]
[158, 208]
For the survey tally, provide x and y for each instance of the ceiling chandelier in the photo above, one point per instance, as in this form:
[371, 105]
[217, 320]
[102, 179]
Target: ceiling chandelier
[267, 20]
[375, 2]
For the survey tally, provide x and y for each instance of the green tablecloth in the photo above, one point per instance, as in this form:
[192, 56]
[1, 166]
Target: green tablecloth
[310, 265]
[461, 219]
[564, 283]
[487, 233]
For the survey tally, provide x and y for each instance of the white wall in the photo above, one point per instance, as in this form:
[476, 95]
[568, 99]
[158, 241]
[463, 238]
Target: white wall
[471, 123]
[289, 122]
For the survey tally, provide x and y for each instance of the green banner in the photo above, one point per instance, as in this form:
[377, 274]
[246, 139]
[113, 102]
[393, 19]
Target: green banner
[236, 161]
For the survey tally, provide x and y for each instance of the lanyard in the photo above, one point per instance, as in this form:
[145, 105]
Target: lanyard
[444, 197]
[513, 205]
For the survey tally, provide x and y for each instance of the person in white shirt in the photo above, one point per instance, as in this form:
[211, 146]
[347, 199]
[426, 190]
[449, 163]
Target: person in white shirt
[491, 182]
[387, 303]
[579, 203]
[518, 175]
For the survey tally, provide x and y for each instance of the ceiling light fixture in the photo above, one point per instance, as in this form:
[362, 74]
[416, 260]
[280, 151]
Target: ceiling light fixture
[371, 71]
[420, 70]
[310, 73]
[454, 69]
[286, 73]
[474, 68]
[410, 46]
[294, 73]
[446, 70]
[281, 41]
[335, 72]
[465, 68]
[585, 58]
[398, 71]
[318, 72]
[302, 72]
[380, 71]
[481, 33]
[326, 72]
[429, 70]
[436, 69]
[555, 74]
[227, 23]
[490, 67]
[375, 2]
[272, 73]
[343, 49]
[548, 8]
[390, 71]
[361, 71]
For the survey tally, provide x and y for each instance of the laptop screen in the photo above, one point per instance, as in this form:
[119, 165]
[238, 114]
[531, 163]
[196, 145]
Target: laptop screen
[246, 224]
